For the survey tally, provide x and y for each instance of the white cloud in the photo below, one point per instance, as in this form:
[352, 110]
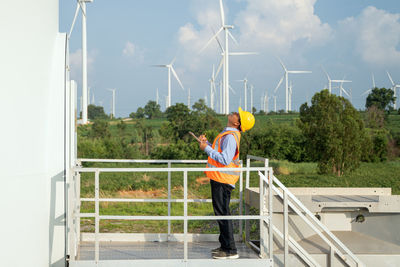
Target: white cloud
[277, 24]
[376, 34]
[132, 50]
[264, 26]
[129, 49]
[75, 63]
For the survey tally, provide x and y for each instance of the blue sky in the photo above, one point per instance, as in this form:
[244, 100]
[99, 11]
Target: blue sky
[350, 39]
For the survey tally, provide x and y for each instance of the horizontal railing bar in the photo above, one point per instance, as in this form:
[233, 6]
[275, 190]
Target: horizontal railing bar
[82, 215]
[150, 200]
[144, 160]
[255, 158]
[80, 169]
[179, 218]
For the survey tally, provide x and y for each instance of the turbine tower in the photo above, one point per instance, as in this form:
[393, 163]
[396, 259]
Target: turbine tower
[394, 87]
[112, 103]
[251, 98]
[286, 76]
[212, 88]
[245, 91]
[81, 5]
[170, 69]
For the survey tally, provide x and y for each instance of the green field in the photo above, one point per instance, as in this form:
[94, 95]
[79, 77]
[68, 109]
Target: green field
[154, 185]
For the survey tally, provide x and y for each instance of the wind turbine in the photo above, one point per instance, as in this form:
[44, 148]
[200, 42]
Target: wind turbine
[275, 103]
[245, 91]
[81, 5]
[212, 88]
[225, 58]
[333, 81]
[170, 69]
[112, 103]
[394, 87]
[251, 98]
[286, 76]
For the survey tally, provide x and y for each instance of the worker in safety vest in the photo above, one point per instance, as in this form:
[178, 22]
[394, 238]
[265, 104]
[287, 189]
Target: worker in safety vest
[224, 153]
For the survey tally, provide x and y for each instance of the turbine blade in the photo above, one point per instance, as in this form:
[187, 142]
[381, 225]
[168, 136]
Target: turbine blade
[211, 39]
[172, 62]
[176, 77]
[299, 71]
[366, 92]
[213, 73]
[219, 43]
[221, 7]
[329, 78]
[161, 66]
[233, 38]
[233, 91]
[345, 92]
[283, 66]
[220, 65]
[74, 20]
[390, 78]
[242, 53]
[83, 12]
[279, 84]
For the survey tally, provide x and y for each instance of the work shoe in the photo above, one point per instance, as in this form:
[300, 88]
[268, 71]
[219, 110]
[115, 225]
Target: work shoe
[221, 255]
[215, 250]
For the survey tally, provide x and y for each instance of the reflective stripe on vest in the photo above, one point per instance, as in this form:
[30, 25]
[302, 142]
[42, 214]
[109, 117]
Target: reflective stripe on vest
[226, 177]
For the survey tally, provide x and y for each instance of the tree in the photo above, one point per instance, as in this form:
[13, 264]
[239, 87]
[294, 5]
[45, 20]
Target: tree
[180, 122]
[200, 107]
[139, 113]
[152, 110]
[96, 112]
[382, 98]
[334, 132]
[100, 129]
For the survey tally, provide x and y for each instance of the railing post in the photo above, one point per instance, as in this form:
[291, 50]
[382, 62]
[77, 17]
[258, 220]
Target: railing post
[285, 229]
[169, 200]
[247, 172]
[97, 219]
[262, 213]
[331, 256]
[241, 201]
[78, 209]
[270, 212]
[185, 222]
[246, 207]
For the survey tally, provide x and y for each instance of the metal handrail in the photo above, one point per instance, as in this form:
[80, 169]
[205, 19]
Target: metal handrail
[285, 195]
[185, 200]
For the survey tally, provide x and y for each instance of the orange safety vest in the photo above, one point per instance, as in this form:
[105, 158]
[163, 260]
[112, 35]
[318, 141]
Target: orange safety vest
[225, 177]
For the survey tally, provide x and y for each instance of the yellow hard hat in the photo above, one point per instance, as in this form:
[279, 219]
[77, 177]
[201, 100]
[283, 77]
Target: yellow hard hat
[246, 120]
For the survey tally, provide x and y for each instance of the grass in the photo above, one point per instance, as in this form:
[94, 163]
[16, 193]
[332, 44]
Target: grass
[154, 185]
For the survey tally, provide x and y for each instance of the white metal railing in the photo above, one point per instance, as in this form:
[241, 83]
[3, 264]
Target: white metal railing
[263, 216]
[289, 200]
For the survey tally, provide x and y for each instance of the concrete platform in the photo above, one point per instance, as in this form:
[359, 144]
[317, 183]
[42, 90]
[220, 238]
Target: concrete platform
[155, 250]
[358, 243]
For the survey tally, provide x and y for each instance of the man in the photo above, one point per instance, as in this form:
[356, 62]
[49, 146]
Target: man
[224, 153]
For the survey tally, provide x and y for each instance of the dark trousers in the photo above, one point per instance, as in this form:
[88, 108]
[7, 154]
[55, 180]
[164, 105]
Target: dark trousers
[221, 196]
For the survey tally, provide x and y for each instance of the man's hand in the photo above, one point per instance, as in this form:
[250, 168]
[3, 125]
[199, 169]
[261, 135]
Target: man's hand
[203, 145]
[203, 138]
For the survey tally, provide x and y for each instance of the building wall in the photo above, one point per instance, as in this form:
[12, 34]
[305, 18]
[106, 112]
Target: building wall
[32, 54]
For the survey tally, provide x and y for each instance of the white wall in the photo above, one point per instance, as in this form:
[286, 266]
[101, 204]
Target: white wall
[32, 55]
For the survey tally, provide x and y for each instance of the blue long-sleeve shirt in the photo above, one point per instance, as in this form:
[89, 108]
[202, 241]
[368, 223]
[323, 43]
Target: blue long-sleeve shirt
[228, 147]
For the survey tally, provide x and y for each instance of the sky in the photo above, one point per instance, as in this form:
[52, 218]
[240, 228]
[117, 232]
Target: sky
[349, 39]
